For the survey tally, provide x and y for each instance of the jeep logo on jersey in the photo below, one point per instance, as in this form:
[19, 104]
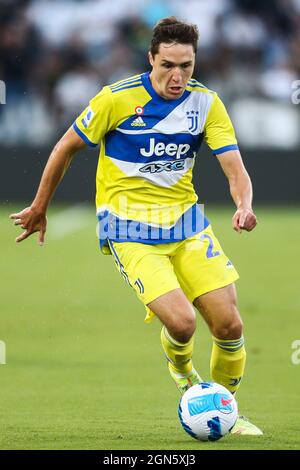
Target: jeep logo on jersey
[160, 149]
[159, 167]
[193, 119]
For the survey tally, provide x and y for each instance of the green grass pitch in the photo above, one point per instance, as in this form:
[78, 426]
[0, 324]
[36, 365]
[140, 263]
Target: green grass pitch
[83, 371]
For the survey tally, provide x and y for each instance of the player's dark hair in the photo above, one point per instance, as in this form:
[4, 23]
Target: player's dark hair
[171, 30]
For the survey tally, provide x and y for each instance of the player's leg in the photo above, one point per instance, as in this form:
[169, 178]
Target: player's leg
[176, 313]
[228, 357]
[202, 267]
[177, 336]
[220, 312]
[205, 272]
[206, 276]
[147, 268]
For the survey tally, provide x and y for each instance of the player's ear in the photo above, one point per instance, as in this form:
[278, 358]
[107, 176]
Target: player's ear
[150, 57]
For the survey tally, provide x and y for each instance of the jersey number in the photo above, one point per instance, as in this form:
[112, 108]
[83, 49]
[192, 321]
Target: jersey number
[209, 253]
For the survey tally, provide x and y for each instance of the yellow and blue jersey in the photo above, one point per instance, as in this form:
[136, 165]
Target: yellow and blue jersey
[148, 147]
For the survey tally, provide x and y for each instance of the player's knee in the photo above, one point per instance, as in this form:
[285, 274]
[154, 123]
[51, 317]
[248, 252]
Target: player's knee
[229, 330]
[184, 327]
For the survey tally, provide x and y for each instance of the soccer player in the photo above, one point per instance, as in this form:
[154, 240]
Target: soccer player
[150, 128]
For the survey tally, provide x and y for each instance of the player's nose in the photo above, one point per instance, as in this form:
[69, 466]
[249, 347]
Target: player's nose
[177, 75]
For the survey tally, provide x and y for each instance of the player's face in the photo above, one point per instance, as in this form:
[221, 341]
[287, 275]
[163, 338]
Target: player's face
[172, 67]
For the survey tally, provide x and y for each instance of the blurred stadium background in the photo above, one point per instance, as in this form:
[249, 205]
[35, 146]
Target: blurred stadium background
[56, 55]
[63, 308]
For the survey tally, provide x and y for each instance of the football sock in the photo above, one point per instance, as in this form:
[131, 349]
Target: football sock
[178, 354]
[227, 362]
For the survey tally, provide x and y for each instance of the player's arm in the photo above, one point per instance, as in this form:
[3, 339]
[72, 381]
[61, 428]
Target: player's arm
[240, 190]
[220, 136]
[33, 218]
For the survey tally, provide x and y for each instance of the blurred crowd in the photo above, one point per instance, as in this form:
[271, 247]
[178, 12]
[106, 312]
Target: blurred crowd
[56, 54]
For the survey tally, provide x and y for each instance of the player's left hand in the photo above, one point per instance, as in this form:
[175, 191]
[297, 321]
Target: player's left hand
[244, 219]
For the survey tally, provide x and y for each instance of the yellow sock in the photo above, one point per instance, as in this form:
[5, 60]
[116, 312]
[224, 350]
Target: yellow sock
[227, 362]
[178, 354]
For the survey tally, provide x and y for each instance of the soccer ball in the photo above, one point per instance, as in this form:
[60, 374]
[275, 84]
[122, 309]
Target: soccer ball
[207, 411]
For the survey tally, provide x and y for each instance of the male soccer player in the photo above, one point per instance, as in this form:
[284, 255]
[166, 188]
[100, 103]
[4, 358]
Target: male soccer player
[150, 128]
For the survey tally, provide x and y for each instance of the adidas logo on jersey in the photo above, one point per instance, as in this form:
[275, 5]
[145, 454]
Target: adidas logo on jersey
[138, 122]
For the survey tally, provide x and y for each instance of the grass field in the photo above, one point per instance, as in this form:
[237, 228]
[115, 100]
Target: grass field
[83, 370]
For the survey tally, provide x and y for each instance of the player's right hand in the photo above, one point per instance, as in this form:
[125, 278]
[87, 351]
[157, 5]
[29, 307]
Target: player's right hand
[32, 221]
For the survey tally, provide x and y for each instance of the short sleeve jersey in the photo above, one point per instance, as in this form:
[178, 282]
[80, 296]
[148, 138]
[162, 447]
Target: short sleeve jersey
[148, 147]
